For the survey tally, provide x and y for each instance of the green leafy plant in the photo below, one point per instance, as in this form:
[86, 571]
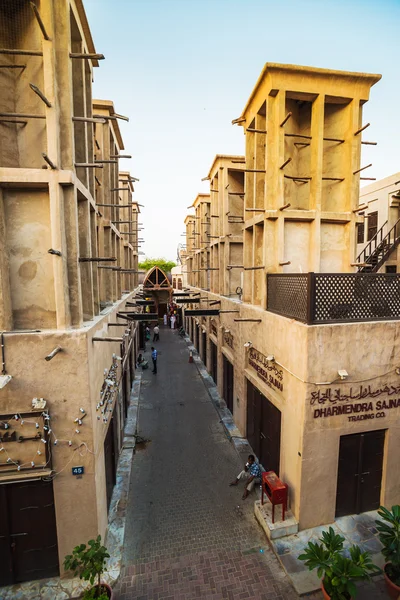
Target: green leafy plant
[389, 535]
[339, 572]
[164, 264]
[88, 562]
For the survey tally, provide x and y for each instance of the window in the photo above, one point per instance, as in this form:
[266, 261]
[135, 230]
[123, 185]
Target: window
[391, 269]
[372, 224]
[360, 233]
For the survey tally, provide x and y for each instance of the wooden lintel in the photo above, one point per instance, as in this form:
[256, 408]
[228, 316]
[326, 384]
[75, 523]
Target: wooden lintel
[40, 21]
[286, 119]
[107, 339]
[97, 259]
[49, 162]
[17, 52]
[88, 165]
[253, 268]
[362, 129]
[251, 130]
[114, 162]
[89, 120]
[22, 115]
[247, 320]
[86, 55]
[362, 169]
[39, 93]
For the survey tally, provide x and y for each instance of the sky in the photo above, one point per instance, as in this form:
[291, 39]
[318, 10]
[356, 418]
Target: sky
[183, 69]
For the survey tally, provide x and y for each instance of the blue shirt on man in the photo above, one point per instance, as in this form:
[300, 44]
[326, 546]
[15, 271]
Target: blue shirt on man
[254, 470]
[154, 354]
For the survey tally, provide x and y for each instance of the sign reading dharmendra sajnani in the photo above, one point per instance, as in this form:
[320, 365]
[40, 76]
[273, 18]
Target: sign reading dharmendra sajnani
[357, 403]
[266, 369]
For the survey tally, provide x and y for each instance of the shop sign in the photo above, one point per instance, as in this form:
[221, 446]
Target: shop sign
[213, 328]
[228, 339]
[266, 370]
[334, 402]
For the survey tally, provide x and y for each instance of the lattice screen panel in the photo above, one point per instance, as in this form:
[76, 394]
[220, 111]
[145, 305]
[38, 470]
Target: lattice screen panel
[287, 295]
[356, 297]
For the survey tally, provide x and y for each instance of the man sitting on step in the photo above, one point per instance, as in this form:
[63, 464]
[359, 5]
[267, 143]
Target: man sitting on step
[251, 473]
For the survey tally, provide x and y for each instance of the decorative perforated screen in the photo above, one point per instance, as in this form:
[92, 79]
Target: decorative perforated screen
[287, 295]
[334, 297]
[355, 297]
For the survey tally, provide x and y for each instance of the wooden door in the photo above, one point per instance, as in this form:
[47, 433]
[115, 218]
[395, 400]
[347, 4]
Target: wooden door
[270, 434]
[109, 461]
[359, 472]
[204, 348]
[28, 533]
[263, 428]
[214, 362]
[228, 383]
[253, 417]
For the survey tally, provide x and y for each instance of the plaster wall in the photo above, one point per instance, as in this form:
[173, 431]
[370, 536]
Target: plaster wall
[28, 238]
[310, 356]
[70, 381]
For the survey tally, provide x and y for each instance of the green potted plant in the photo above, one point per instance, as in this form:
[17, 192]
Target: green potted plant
[88, 562]
[389, 536]
[339, 573]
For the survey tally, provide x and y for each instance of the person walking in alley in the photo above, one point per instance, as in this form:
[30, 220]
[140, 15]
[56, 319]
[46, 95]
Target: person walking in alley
[154, 359]
[156, 334]
[251, 473]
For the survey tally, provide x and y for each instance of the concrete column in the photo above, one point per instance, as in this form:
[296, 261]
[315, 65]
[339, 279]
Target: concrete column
[316, 166]
[6, 319]
[59, 242]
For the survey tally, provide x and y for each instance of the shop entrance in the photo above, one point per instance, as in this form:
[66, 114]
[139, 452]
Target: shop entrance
[110, 459]
[214, 362]
[263, 428]
[28, 533]
[204, 349]
[228, 383]
[359, 473]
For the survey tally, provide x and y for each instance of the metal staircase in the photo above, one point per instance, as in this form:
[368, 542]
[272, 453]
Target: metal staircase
[378, 249]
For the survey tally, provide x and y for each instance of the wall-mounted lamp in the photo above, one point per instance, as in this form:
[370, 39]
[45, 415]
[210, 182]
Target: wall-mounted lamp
[343, 374]
[248, 344]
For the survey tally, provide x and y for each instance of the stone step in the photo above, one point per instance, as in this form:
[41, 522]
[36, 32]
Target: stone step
[263, 514]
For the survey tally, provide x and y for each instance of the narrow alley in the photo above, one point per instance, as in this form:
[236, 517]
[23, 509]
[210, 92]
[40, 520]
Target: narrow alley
[188, 534]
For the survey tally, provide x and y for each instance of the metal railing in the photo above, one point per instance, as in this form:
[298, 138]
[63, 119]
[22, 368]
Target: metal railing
[317, 298]
[379, 247]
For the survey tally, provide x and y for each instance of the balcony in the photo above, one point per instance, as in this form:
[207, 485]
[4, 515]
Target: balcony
[317, 298]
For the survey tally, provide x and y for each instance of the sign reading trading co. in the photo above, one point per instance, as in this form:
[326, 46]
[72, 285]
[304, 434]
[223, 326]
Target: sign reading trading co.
[336, 403]
[266, 370]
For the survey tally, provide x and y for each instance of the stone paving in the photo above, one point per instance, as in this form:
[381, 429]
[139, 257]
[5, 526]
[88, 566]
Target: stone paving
[188, 534]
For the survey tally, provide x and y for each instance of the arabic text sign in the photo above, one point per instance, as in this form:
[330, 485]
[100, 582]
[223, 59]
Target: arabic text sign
[267, 371]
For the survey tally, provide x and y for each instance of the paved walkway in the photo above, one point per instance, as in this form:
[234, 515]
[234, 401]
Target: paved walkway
[189, 535]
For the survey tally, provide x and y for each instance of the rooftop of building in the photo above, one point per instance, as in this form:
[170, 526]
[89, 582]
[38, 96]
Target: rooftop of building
[108, 105]
[224, 158]
[374, 187]
[330, 75]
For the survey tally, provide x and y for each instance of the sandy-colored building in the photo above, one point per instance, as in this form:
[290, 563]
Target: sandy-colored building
[378, 235]
[306, 356]
[68, 256]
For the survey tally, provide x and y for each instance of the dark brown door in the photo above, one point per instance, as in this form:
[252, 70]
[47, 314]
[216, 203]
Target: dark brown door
[372, 224]
[28, 533]
[270, 434]
[204, 353]
[228, 383]
[359, 472]
[214, 362]
[109, 461]
[263, 428]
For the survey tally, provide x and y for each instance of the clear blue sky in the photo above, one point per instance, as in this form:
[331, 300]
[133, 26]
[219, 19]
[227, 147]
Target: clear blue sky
[183, 69]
